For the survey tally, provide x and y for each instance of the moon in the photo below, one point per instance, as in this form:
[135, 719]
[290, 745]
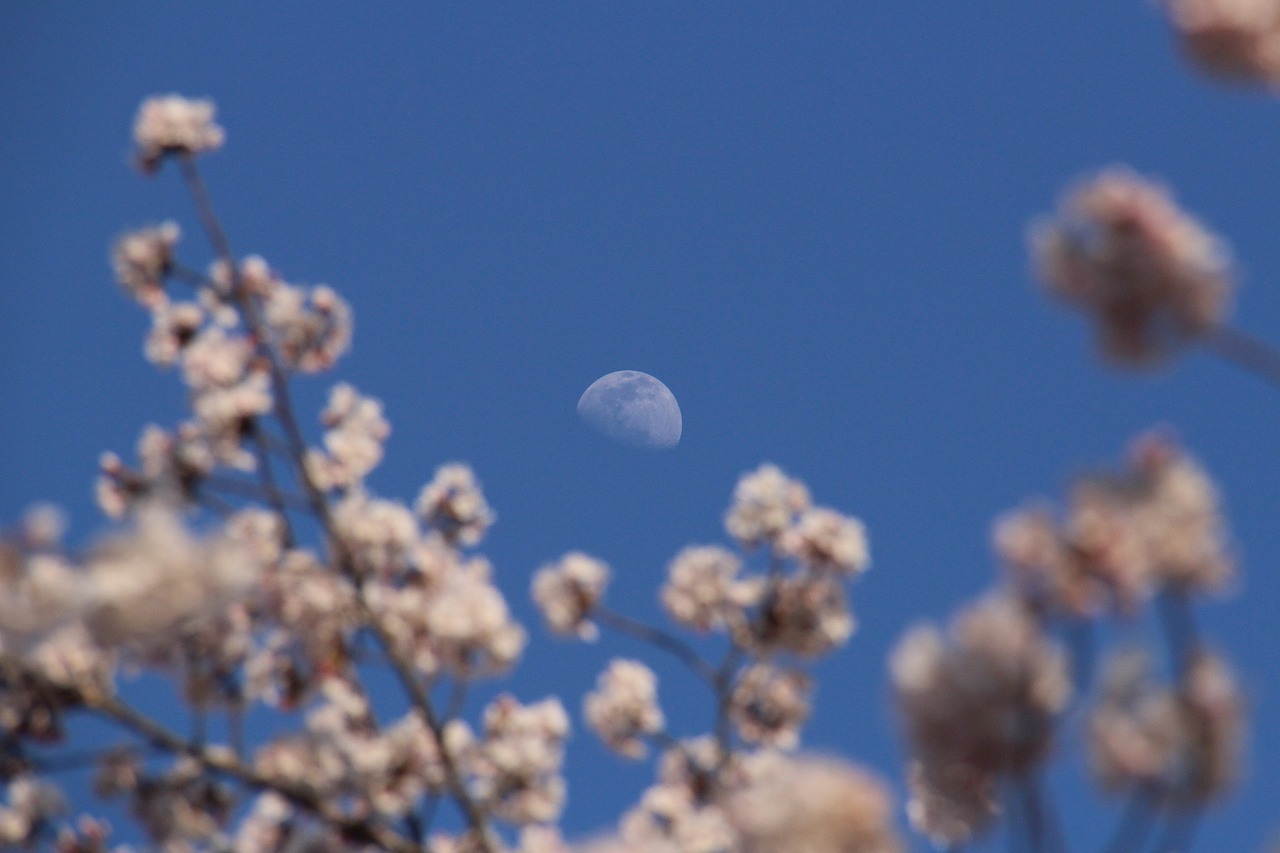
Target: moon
[633, 408]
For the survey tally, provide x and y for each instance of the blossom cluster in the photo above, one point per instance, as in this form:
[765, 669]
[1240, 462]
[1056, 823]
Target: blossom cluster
[1236, 40]
[1156, 525]
[982, 704]
[1151, 276]
[790, 609]
[208, 581]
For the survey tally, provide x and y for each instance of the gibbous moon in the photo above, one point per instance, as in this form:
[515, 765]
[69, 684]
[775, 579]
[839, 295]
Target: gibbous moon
[633, 408]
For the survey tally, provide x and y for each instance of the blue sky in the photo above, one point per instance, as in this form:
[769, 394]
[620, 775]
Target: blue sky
[806, 219]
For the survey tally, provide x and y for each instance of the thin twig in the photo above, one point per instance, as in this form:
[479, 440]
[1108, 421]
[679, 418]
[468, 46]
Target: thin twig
[1247, 352]
[457, 698]
[255, 491]
[1179, 626]
[404, 669]
[1179, 832]
[272, 492]
[1135, 823]
[224, 762]
[726, 678]
[659, 638]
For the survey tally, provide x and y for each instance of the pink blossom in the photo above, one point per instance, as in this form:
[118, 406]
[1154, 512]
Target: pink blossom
[568, 590]
[453, 504]
[769, 705]
[172, 124]
[825, 540]
[142, 259]
[703, 590]
[1151, 276]
[764, 504]
[1237, 40]
[623, 708]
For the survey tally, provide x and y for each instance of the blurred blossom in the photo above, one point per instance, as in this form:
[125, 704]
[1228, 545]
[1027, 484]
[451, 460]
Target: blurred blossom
[976, 706]
[703, 590]
[514, 766]
[950, 803]
[813, 805]
[1180, 517]
[624, 707]
[173, 326]
[89, 835]
[311, 329]
[568, 590]
[679, 813]
[142, 259]
[825, 540]
[469, 623]
[172, 466]
[229, 388]
[38, 592]
[32, 804]
[260, 531]
[172, 124]
[379, 535]
[216, 359]
[266, 828]
[149, 583]
[541, 839]
[42, 527]
[1214, 716]
[1134, 728]
[805, 615]
[342, 754]
[1157, 523]
[1150, 275]
[451, 618]
[769, 705]
[453, 504]
[1094, 558]
[1234, 39]
[181, 805]
[313, 611]
[764, 504]
[353, 440]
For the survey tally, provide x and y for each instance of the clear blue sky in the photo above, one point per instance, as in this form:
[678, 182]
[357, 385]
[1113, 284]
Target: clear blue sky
[806, 219]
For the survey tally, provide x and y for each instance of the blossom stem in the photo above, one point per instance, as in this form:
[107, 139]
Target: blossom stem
[270, 490]
[245, 488]
[1179, 832]
[659, 638]
[1179, 630]
[726, 675]
[1135, 823]
[1247, 352]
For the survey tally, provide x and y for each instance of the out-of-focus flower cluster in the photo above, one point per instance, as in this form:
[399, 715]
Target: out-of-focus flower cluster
[1123, 252]
[1181, 743]
[761, 801]
[981, 706]
[1124, 537]
[977, 706]
[1237, 40]
[172, 124]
